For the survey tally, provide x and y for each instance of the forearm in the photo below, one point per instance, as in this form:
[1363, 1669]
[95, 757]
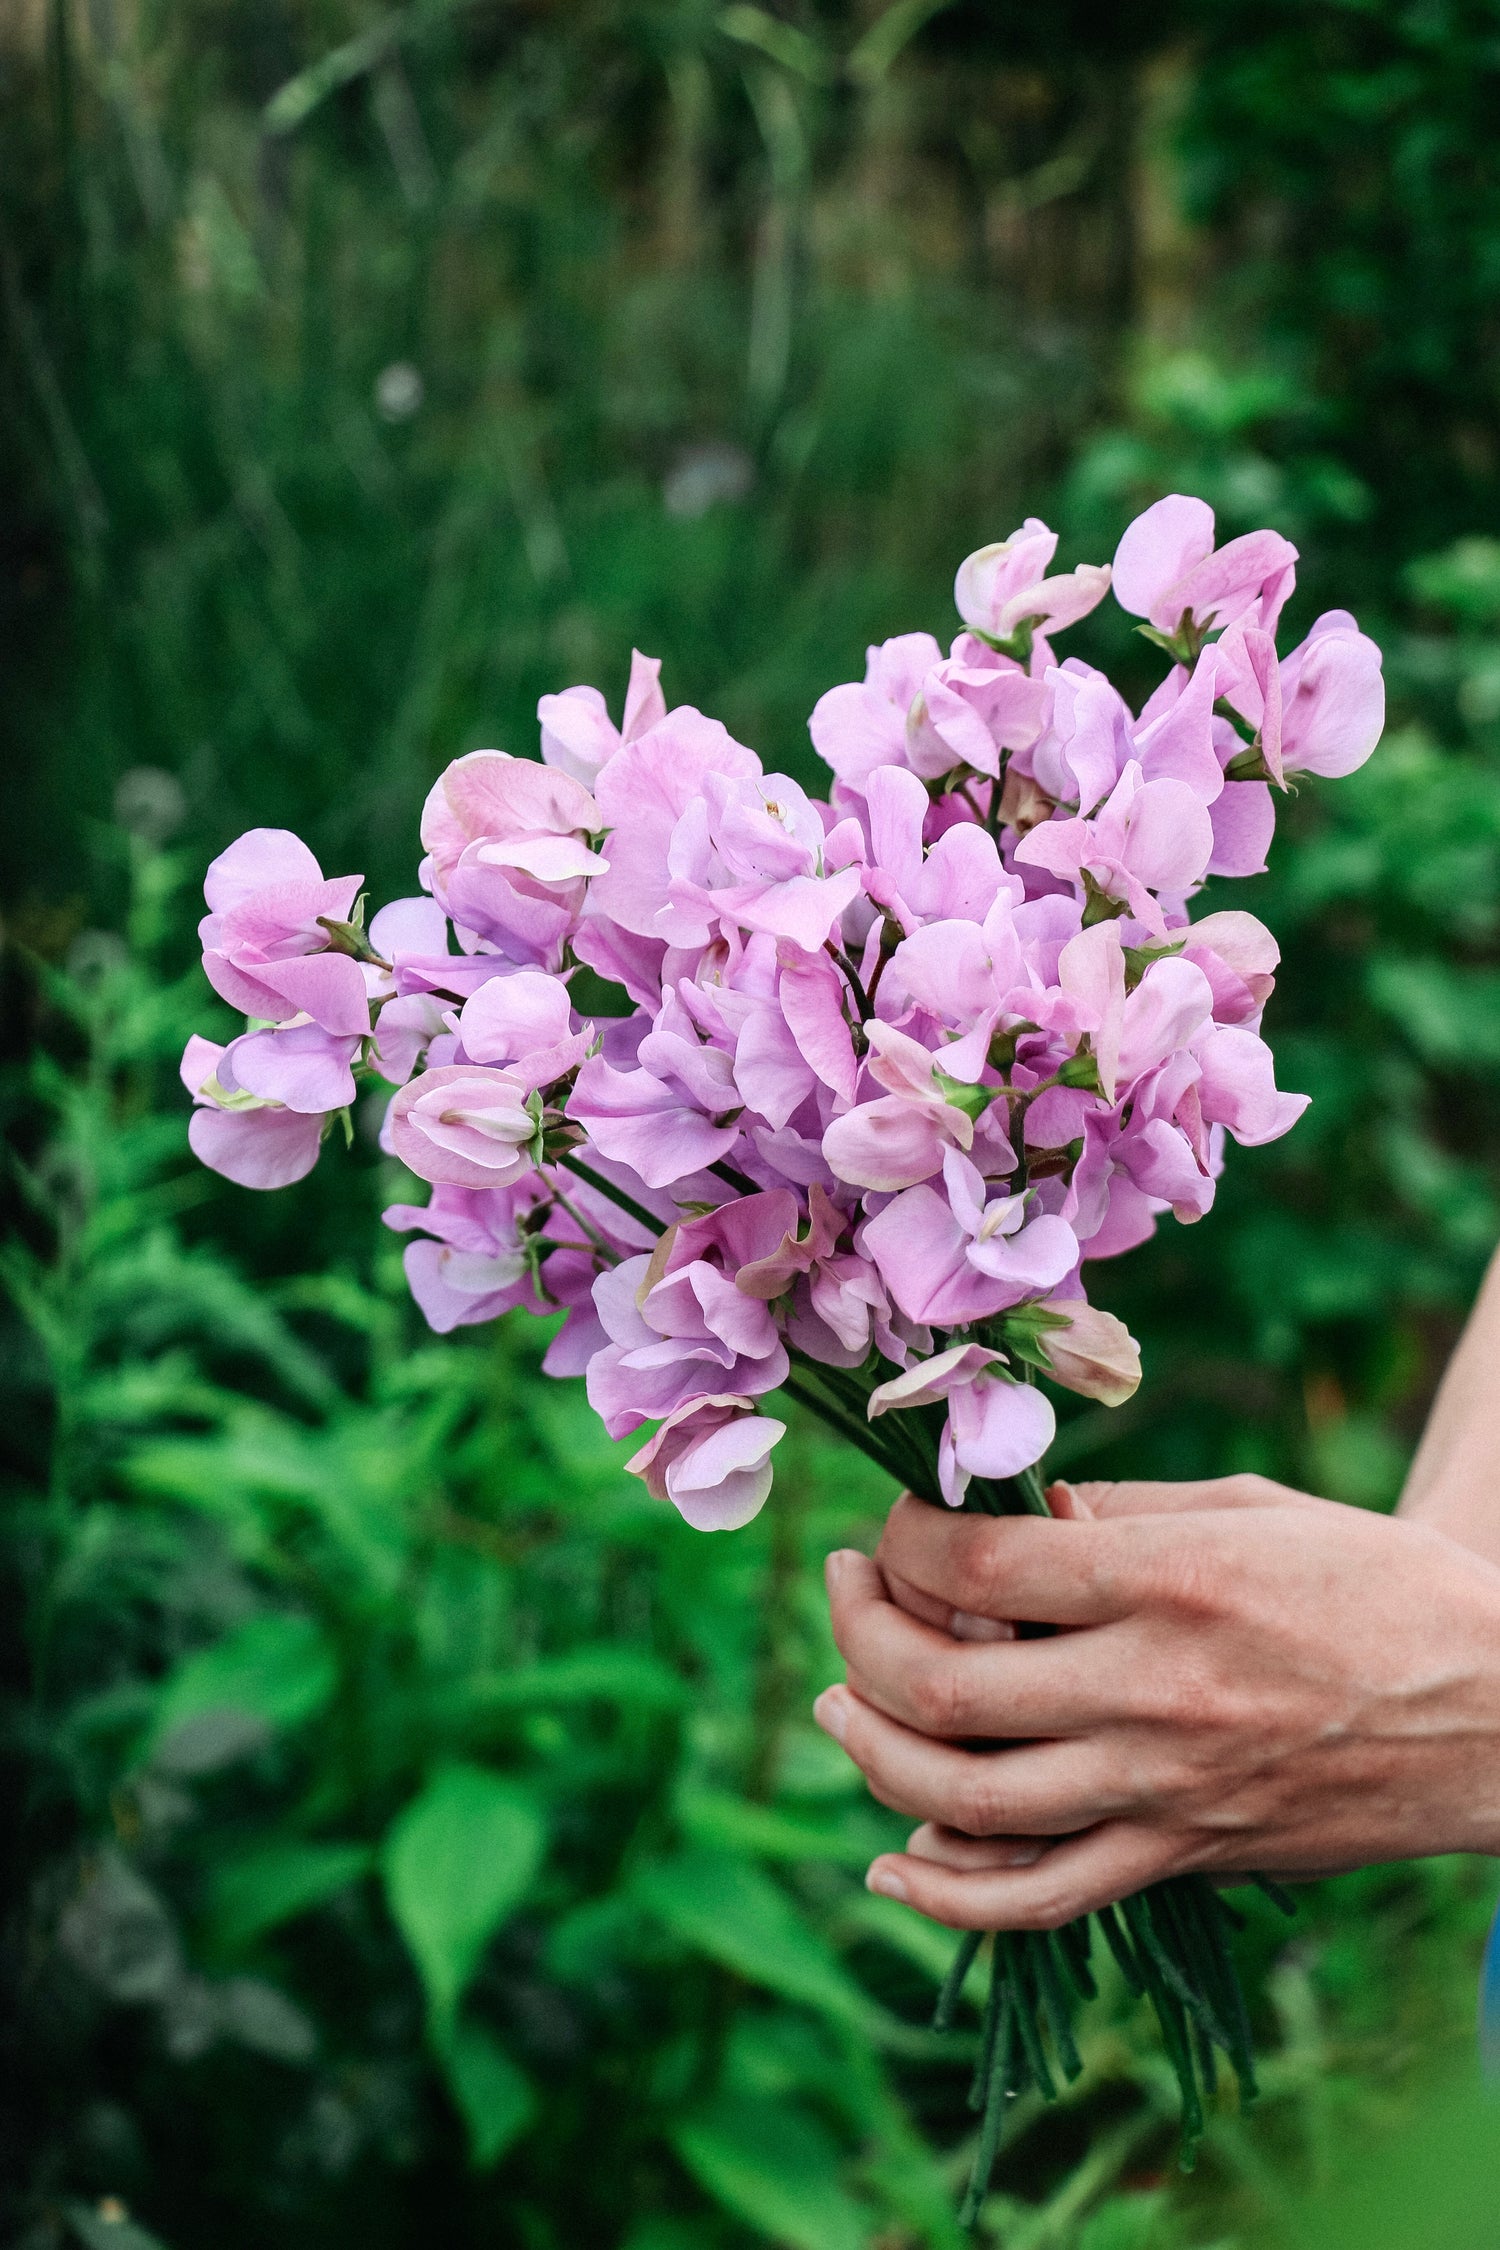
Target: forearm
[1454, 1482]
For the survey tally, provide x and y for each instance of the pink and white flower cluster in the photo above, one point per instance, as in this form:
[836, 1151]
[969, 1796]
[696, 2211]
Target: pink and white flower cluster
[866, 1081]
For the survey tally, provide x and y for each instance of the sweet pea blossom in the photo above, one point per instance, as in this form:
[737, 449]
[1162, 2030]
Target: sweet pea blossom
[752, 851]
[577, 735]
[463, 1126]
[1148, 836]
[1094, 1355]
[249, 1139]
[886, 1074]
[900, 1137]
[996, 1427]
[471, 1264]
[267, 947]
[712, 1460]
[509, 852]
[965, 1254]
[1333, 699]
[1168, 571]
[1003, 587]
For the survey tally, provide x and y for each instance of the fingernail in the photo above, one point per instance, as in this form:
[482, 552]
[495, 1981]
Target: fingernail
[964, 1626]
[835, 1566]
[832, 1713]
[885, 1882]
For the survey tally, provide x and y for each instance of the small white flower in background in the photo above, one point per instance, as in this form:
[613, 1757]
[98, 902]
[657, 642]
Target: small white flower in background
[399, 391]
[703, 475]
[149, 803]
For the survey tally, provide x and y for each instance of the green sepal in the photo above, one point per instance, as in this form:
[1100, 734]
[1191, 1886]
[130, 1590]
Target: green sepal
[1138, 959]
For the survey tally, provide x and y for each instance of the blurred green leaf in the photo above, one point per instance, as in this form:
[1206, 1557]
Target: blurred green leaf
[738, 1917]
[587, 1675]
[457, 1860]
[720, 1822]
[777, 2169]
[494, 2096]
[1451, 1016]
[265, 1888]
[276, 1670]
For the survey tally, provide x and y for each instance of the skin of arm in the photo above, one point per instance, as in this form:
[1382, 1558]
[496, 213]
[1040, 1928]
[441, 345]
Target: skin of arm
[1243, 1677]
[1454, 1482]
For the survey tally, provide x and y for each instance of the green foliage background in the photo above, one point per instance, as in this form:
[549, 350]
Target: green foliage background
[418, 1837]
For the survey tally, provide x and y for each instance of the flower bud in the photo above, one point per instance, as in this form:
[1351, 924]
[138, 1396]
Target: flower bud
[1095, 1355]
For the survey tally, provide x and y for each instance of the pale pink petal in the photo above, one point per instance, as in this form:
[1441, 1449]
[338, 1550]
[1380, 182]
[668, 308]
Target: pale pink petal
[256, 1148]
[260, 857]
[1159, 549]
[999, 1427]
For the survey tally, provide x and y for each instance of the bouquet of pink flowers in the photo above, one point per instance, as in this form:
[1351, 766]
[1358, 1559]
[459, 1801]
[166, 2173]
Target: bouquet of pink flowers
[833, 1096]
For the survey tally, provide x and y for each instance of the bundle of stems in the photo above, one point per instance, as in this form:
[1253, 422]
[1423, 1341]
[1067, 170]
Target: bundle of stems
[1171, 1941]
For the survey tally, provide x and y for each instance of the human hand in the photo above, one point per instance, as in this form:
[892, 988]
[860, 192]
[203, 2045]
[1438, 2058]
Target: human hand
[1248, 1678]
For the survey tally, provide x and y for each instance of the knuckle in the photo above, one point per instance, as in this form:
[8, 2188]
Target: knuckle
[1247, 1487]
[1192, 1580]
[940, 1698]
[1192, 1698]
[978, 1807]
[985, 1561]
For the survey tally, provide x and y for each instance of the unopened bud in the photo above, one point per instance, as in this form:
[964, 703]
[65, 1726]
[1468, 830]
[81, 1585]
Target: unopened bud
[1095, 1355]
[1081, 1071]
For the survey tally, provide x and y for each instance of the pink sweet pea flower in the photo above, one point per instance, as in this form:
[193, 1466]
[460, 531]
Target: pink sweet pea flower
[578, 736]
[1238, 955]
[1244, 821]
[1176, 737]
[947, 1259]
[1003, 587]
[1173, 1002]
[464, 1126]
[1238, 1087]
[1333, 699]
[959, 878]
[753, 853]
[712, 1459]
[300, 1066]
[812, 997]
[900, 1137]
[638, 1119]
[252, 1142]
[644, 791]
[265, 947]
[1148, 836]
[1168, 571]
[968, 715]
[523, 1021]
[862, 724]
[509, 856]
[1087, 739]
[996, 1427]
[677, 1322]
[474, 1267]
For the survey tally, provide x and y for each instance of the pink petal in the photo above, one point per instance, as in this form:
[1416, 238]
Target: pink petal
[329, 987]
[256, 1148]
[1160, 548]
[259, 857]
[1000, 1428]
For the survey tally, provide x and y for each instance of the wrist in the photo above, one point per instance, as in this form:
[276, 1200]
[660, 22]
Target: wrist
[1463, 1508]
